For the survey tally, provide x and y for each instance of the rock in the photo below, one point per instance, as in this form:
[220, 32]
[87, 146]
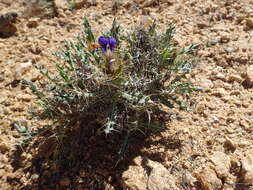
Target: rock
[249, 23]
[230, 49]
[150, 3]
[206, 84]
[7, 28]
[220, 28]
[229, 144]
[202, 24]
[2, 172]
[221, 163]
[127, 4]
[239, 18]
[168, 2]
[245, 125]
[95, 16]
[235, 78]
[35, 49]
[225, 38]
[188, 180]
[3, 144]
[208, 179]
[244, 143]
[248, 10]
[228, 187]
[65, 182]
[61, 4]
[33, 23]
[219, 92]
[8, 17]
[40, 8]
[235, 164]
[35, 177]
[200, 107]
[21, 69]
[247, 168]
[93, 2]
[248, 77]
[241, 57]
[80, 4]
[220, 76]
[147, 174]
[4, 160]
[214, 40]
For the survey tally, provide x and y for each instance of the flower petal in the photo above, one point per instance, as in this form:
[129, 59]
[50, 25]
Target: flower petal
[112, 43]
[103, 42]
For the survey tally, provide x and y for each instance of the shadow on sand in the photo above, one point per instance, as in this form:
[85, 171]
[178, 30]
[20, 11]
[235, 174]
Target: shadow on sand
[85, 160]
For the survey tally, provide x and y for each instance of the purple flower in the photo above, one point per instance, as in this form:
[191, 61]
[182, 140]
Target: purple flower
[112, 43]
[105, 42]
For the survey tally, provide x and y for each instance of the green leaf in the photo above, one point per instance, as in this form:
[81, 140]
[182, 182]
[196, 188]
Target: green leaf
[189, 50]
[87, 30]
[166, 102]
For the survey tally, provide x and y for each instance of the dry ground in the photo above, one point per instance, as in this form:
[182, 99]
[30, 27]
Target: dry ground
[222, 119]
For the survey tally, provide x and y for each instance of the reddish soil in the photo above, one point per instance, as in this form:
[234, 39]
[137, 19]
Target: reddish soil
[221, 120]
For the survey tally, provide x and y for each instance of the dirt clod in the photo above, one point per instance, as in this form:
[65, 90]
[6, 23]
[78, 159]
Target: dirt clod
[33, 23]
[147, 174]
[209, 180]
[221, 164]
[247, 168]
[248, 77]
[221, 116]
[7, 26]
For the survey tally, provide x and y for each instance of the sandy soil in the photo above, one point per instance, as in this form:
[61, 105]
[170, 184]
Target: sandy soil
[220, 121]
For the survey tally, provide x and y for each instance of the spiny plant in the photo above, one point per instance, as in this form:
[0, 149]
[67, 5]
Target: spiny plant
[26, 133]
[120, 81]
